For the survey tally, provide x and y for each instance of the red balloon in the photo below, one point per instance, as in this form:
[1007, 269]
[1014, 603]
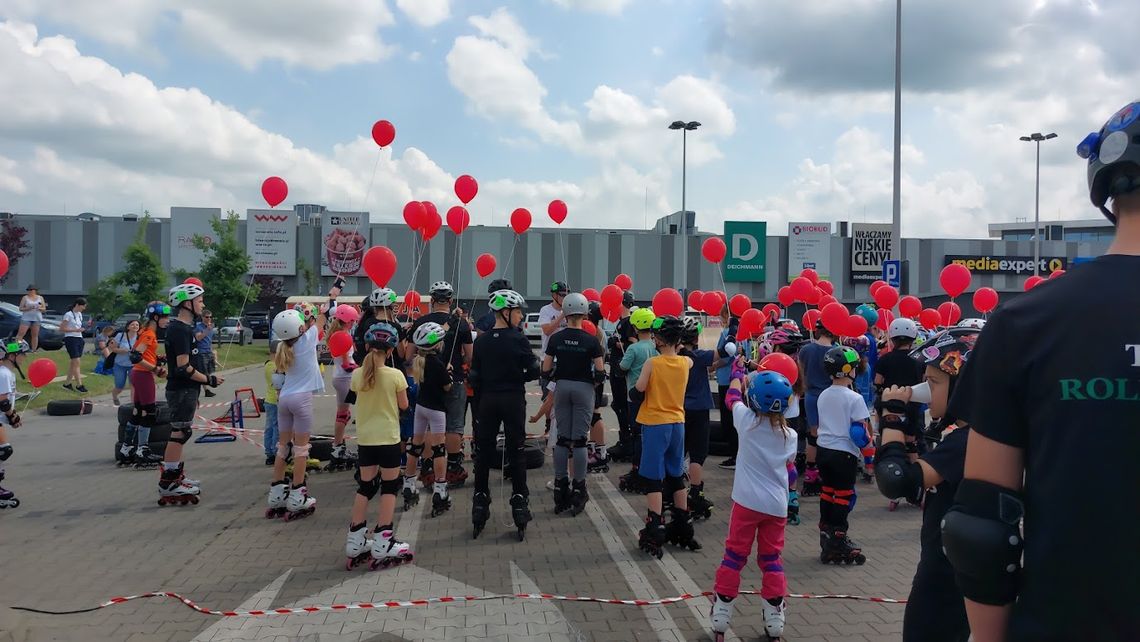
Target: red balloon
[949, 313]
[1056, 273]
[274, 190]
[771, 311]
[458, 219]
[875, 287]
[1032, 282]
[557, 212]
[739, 303]
[810, 318]
[785, 296]
[520, 220]
[802, 288]
[466, 187]
[856, 326]
[929, 318]
[909, 306]
[611, 314]
[824, 300]
[885, 319]
[194, 280]
[431, 222]
[834, 317]
[667, 301]
[611, 296]
[827, 286]
[414, 214]
[623, 281]
[340, 343]
[955, 279]
[752, 321]
[589, 327]
[383, 132]
[592, 295]
[41, 372]
[985, 300]
[485, 264]
[886, 297]
[810, 275]
[380, 265]
[814, 296]
[412, 300]
[695, 299]
[711, 303]
[781, 363]
[714, 249]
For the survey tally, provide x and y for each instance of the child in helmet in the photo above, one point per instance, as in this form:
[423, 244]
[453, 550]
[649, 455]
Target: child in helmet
[632, 362]
[661, 387]
[896, 368]
[135, 448]
[816, 380]
[343, 316]
[381, 393]
[843, 431]
[760, 404]
[14, 350]
[433, 377]
[698, 403]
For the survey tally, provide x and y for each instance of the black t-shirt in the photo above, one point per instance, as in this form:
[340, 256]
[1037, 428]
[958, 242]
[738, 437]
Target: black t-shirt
[1069, 396]
[624, 336]
[501, 357]
[431, 391]
[180, 341]
[485, 322]
[456, 328]
[574, 351]
[948, 460]
[898, 369]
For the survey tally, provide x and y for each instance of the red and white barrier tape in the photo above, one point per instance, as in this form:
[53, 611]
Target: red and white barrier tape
[397, 604]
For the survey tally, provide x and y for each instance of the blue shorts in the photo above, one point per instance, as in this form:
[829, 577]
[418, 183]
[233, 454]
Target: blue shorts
[662, 451]
[121, 373]
[811, 408]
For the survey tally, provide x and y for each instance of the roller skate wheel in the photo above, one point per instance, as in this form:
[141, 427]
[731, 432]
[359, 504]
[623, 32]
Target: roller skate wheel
[860, 560]
[892, 506]
[274, 513]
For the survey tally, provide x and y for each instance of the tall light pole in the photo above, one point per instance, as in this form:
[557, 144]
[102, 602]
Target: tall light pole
[1037, 137]
[896, 201]
[685, 128]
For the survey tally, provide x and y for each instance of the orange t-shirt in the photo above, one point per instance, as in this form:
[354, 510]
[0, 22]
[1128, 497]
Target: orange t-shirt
[147, 344]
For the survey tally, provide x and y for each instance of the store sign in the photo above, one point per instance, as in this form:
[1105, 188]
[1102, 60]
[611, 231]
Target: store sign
[871, 245]
[344, 238]
[809, 246]
[185, 224]
[271, 241]
[747, 251]
[1012, 265]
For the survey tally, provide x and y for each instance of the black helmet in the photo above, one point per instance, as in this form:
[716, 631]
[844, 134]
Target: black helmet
[841, 361]
[948, 350]
[499, 284]
[559, 287]
[1114, 157]
[595, 313]
[668, 329]
[627, 299]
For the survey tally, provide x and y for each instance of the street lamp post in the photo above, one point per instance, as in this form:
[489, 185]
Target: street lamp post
[685, 128]
[896, 196]
[1037, 137]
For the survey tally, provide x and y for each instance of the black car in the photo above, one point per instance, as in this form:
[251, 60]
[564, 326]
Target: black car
[51, 338]
[258, 322]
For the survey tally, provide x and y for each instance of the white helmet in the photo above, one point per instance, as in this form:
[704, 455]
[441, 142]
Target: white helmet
[382, 298]
[902, 328]
[288, 324]
[184, 292]
[575, 303]
[506, 300]
[428, 335]
[976, 324]
[441, 290]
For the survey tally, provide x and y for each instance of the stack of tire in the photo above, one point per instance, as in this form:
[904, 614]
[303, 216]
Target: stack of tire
[159, 435]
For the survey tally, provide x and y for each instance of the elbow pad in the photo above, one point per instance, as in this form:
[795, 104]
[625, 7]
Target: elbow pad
[895, 474]
[185, 372]
[731, 398]
[982, 541]
[5, 405]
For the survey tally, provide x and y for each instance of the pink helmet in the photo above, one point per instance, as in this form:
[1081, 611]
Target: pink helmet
[346, 314]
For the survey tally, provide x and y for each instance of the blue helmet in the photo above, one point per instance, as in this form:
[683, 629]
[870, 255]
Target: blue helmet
[382, 335]
[769, 392]
[156, 309]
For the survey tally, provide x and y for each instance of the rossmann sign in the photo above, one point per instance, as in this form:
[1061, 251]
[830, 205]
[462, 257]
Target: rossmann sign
[1012, 265]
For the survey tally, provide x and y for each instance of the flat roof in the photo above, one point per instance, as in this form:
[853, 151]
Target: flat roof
[1027, 226]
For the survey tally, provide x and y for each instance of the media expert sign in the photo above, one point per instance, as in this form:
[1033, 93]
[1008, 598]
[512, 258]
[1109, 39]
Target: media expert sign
[870, 246]
[344, 238]
[809, 246]
[1011, 265]
[185, 224]
[271, 241]
[747, 251]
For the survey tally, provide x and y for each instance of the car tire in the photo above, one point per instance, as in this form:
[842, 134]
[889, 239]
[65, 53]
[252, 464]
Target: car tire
[321, 447]
[534, 452]
[68, 407]
[162, 412]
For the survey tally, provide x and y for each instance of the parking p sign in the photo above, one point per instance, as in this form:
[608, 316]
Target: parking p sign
[892, 273]
[747, 251]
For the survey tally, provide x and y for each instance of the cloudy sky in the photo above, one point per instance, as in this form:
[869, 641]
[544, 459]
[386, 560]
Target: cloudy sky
[120, 104]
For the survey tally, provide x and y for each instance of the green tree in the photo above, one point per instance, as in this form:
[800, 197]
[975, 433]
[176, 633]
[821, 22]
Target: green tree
[223, 271]
[307, 280]
[141, 280]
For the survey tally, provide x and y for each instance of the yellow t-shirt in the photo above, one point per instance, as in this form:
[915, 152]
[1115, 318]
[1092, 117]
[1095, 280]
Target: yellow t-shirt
[377, 413]
[665, 395]
[270, 391]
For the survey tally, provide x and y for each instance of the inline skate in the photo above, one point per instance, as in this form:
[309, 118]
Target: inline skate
[721, 616]
[411, 493]
[622, 452]
[812, 482]
[356, 546]
[299, 504]
[7, 497]
[387, 551]
[561, 494]
[278, 496]
[631, 482]
[480, 513]
[679, 532]
[173, 488]
[427, 472]
[595, 461]
[793, 507]
[440, 501]
[651, 539]
[144, 459]
[774, 618]
[578, 497]
[520, 512]
[341, 459]
[456, 476]
[837, 548]
[699, 505]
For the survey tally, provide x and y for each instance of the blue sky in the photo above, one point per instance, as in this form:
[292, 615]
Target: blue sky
[565, 99]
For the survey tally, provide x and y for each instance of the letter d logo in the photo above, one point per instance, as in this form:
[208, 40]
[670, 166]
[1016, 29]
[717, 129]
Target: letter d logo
[738, 243]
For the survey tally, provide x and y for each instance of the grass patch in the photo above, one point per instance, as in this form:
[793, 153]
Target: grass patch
[229, 357]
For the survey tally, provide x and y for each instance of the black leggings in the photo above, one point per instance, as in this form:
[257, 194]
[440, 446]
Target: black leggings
[697, 435]
[620, 404]
[935, 610]
[837, 471]
[506, 409]
[728, 428]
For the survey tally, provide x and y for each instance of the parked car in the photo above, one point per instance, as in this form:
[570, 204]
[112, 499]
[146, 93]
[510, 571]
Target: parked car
[232, 330]
[259, 323]
[51, 338]
[531, 327]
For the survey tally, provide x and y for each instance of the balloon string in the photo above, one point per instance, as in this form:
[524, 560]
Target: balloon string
[510, 256]
[351, 206]
[419, 248]
[565, 269]
[458, 298]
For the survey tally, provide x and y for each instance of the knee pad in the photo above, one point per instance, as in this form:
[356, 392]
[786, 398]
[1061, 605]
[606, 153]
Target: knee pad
[579, 443]
[390, 486]
[343, 416]
[5, 451]
[368, 489]
[414, 450]
[565, 442]
[981, 538]
[149, 416]
[438, 450]
[673, 484]
[180, 432]
[302, 452]
[811, 440]
[650, 485]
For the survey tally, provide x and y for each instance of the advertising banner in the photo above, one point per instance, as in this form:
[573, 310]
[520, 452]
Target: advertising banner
[747, 251]
[809, 246]
[185, 224]
[1009, 265]
[344, 238]
[871, 245]
[271, 241]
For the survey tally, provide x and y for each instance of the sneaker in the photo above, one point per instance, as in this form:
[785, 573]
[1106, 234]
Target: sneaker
[81, 388]
[210, 393]
[67, 386]
[269, 459]
[728, 464]
[115, 400]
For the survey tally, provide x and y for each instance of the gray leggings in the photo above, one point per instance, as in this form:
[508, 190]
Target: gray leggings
[573, 407]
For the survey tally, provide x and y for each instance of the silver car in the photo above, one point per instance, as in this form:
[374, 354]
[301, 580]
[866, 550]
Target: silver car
[231, 330]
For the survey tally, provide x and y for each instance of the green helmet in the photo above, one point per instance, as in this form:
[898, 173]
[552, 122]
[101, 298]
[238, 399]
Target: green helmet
[642, 318]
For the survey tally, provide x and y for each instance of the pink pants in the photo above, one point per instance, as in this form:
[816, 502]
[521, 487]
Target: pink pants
[743, 526]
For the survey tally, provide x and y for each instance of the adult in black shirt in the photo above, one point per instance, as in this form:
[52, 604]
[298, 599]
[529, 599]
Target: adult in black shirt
[624, 336]
[1042, 399]
[501, 365]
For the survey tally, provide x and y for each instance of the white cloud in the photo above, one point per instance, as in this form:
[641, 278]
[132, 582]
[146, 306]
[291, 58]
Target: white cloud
[425, 13]
[9, 182]
[613, 7]
[125, 23]
[503, 27]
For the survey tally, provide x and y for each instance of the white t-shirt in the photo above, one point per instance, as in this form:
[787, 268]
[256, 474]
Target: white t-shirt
[305, 375]
[34, 314]
[547, 314]
[75, 320]
[760, 482]
[839, 406]
[7, 389]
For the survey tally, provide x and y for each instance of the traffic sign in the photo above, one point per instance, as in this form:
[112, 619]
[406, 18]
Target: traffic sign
[892, 273]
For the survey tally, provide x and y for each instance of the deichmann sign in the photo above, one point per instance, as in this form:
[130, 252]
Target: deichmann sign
[1015, 265]
[809, 246]
[271, 241]
[871, 244]
[747, 251]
